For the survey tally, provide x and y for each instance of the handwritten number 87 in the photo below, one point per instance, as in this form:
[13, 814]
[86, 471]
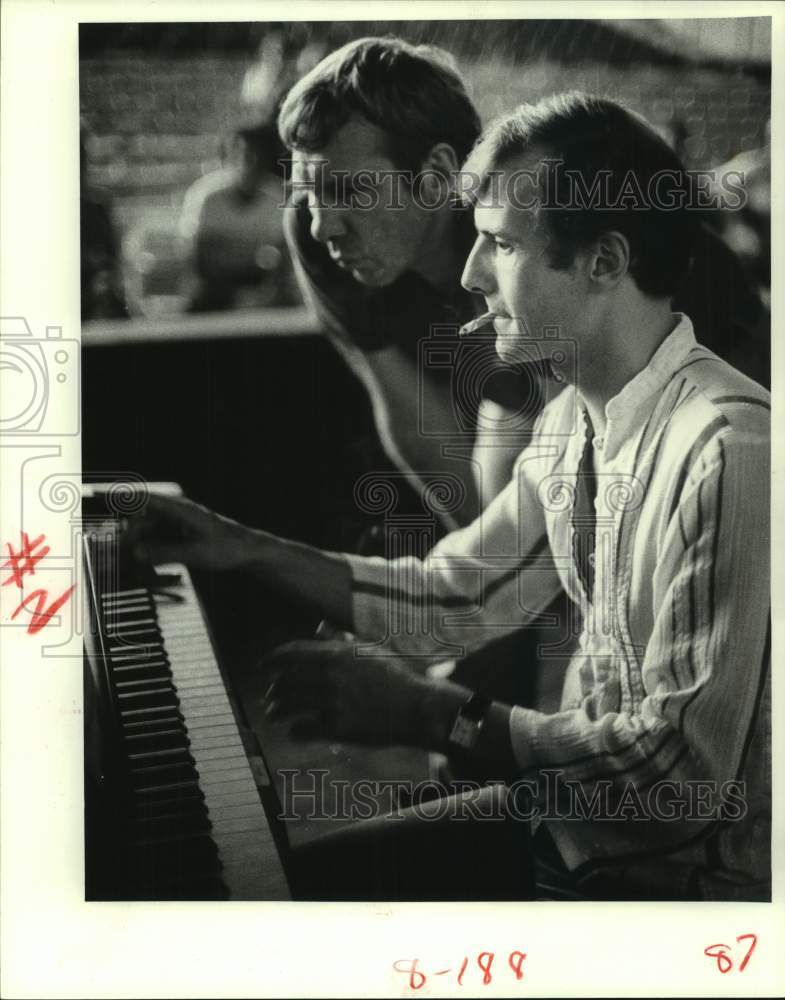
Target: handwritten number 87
[724, 961]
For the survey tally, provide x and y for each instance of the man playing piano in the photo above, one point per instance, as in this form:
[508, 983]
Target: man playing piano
[644, 494]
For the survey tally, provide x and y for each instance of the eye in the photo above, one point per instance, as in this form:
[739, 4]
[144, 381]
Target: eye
[503, 247]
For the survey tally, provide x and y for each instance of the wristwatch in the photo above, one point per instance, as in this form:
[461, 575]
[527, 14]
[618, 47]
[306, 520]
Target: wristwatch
[468, 722]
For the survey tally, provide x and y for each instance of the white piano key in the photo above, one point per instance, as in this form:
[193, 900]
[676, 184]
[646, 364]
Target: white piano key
[251, 865]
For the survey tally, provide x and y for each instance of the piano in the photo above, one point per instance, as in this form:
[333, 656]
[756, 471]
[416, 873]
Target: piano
[178, 800]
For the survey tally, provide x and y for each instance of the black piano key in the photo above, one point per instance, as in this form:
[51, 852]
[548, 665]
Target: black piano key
[179, 792]
[130, 618]
[143, 681]
[149, 712]
[136, 650]
[157, 696]
[156, 757]
[175, 854]
[163, 775]
[121, 665]
[110, 595]
[167, 797]
[127, 670]
[134, 607]
[158, 809]
[123, 639]
[167, 739]
[167, 822]
[155, 724]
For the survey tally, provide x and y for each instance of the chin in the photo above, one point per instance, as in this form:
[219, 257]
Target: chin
[378, 277]
[513, 348]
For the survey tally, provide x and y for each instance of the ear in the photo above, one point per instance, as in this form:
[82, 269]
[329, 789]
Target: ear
[610, 259]
[442, 160]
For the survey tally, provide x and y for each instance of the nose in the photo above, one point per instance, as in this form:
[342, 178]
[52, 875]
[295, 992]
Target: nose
[327, 223]
[478, 273]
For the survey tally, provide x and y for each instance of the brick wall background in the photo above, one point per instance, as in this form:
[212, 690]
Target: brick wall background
[159, 99]
[157, 122]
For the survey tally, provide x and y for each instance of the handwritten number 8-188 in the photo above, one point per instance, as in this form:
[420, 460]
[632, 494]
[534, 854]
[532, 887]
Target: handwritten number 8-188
[418, 979]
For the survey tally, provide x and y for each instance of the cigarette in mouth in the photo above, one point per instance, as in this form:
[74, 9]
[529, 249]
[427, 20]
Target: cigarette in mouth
[477, 324]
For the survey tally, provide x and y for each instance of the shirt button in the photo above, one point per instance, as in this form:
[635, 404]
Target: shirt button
[599, 443]
[591, 558]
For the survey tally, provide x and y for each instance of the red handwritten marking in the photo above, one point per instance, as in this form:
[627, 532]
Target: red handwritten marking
[515, 960]
[516, 963]
[26, 553]
[42, 615]
[485, 967]
[724, 964]
[748, 956]
[719, 952]
[23, 562]
[412, 972]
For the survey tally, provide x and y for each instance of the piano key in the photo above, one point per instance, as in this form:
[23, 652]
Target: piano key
[208, 721]
[146, 678]
[186, 750]
[121, 609]
[138, 649]
[163, 776]
[216, 765]
[161, 740]
[155, 675]
[144, 712]
[156, 700]
[154, 724]
[110, 595]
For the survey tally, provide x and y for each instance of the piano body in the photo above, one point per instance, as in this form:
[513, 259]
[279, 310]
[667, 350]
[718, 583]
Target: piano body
[178, 801]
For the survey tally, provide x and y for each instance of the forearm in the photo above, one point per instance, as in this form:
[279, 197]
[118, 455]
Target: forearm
[317, 578]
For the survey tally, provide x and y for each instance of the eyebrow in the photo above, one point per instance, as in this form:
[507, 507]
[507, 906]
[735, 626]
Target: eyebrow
[500, 234]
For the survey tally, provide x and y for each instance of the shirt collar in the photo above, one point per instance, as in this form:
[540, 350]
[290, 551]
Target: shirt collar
[630, 407]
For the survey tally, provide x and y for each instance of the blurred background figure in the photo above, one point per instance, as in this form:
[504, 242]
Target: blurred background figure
[264, 79]
[101, 284]
[744, 235]
[231, 228]
[747, 231]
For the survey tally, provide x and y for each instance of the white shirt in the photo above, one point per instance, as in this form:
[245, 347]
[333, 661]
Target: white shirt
[671, 679]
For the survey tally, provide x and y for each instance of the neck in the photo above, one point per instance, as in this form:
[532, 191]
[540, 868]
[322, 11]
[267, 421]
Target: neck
[626, 349]
[439, 260]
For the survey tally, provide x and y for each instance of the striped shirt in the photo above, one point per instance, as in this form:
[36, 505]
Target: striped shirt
[665, 715]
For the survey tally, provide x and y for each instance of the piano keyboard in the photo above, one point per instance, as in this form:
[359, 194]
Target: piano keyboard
[251, 866]
[192, 818]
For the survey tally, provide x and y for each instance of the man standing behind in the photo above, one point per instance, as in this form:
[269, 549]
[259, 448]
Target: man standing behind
[381, 264]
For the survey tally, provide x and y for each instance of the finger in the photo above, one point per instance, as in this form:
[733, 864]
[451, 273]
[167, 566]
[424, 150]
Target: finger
[177, 508]
[157, 554]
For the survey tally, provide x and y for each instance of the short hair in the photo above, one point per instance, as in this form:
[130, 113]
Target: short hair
[413, 93]
[598, 140]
